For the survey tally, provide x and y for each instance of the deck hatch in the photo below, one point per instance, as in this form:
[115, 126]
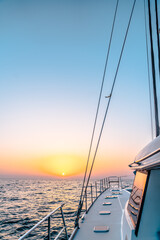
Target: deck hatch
[111, 197]
[99, 229]
[107, 203]
[116, 193]
[104, 212]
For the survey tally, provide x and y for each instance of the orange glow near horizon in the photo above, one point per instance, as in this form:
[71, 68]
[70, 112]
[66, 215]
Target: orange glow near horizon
[50, 85]
[62, 165]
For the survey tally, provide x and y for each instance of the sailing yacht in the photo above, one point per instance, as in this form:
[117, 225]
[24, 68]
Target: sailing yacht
[116, 212]
[121, 215]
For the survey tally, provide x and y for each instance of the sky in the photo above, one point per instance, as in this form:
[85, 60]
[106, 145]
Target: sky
[51, 66]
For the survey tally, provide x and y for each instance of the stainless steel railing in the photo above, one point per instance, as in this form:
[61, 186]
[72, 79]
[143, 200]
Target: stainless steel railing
[90, 196]
[92, 193]
[95, 190]
[48, 218]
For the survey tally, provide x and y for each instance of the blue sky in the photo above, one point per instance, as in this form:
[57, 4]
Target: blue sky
[52, 60]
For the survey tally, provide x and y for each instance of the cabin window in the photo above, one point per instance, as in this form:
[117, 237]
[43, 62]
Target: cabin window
[136, 197]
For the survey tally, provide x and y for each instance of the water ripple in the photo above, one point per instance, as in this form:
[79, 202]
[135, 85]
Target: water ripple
[23, 202]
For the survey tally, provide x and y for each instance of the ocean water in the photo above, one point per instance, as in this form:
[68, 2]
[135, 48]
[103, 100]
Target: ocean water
[24, 202]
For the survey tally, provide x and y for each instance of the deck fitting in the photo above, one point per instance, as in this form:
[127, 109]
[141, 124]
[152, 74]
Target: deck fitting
[99, 229]
[107, 203]
[116, 193]
[104, 212]
[111, 197]
[115, 190]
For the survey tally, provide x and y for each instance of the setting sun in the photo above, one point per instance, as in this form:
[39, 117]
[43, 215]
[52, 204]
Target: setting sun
[62, 165]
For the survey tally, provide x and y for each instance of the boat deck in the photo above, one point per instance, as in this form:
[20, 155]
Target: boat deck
[113, 220]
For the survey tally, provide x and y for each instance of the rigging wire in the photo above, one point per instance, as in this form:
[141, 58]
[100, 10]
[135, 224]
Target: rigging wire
[149, 81]
[153, 72]
[97, 111]
[114, 81]
[157, 33]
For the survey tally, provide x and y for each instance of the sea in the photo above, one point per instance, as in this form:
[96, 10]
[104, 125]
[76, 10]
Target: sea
[25, 201]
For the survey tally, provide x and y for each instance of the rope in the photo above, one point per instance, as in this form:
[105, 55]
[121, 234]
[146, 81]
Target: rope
[115, 77]
[149, 81]
[97, 111]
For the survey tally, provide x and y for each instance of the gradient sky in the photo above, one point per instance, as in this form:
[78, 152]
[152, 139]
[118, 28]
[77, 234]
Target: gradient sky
[51, 64]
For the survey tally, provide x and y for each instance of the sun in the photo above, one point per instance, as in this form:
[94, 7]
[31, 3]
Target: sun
[63, 174]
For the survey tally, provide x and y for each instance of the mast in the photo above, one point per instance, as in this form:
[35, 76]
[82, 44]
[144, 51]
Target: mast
[153, 73]
[157, 31]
